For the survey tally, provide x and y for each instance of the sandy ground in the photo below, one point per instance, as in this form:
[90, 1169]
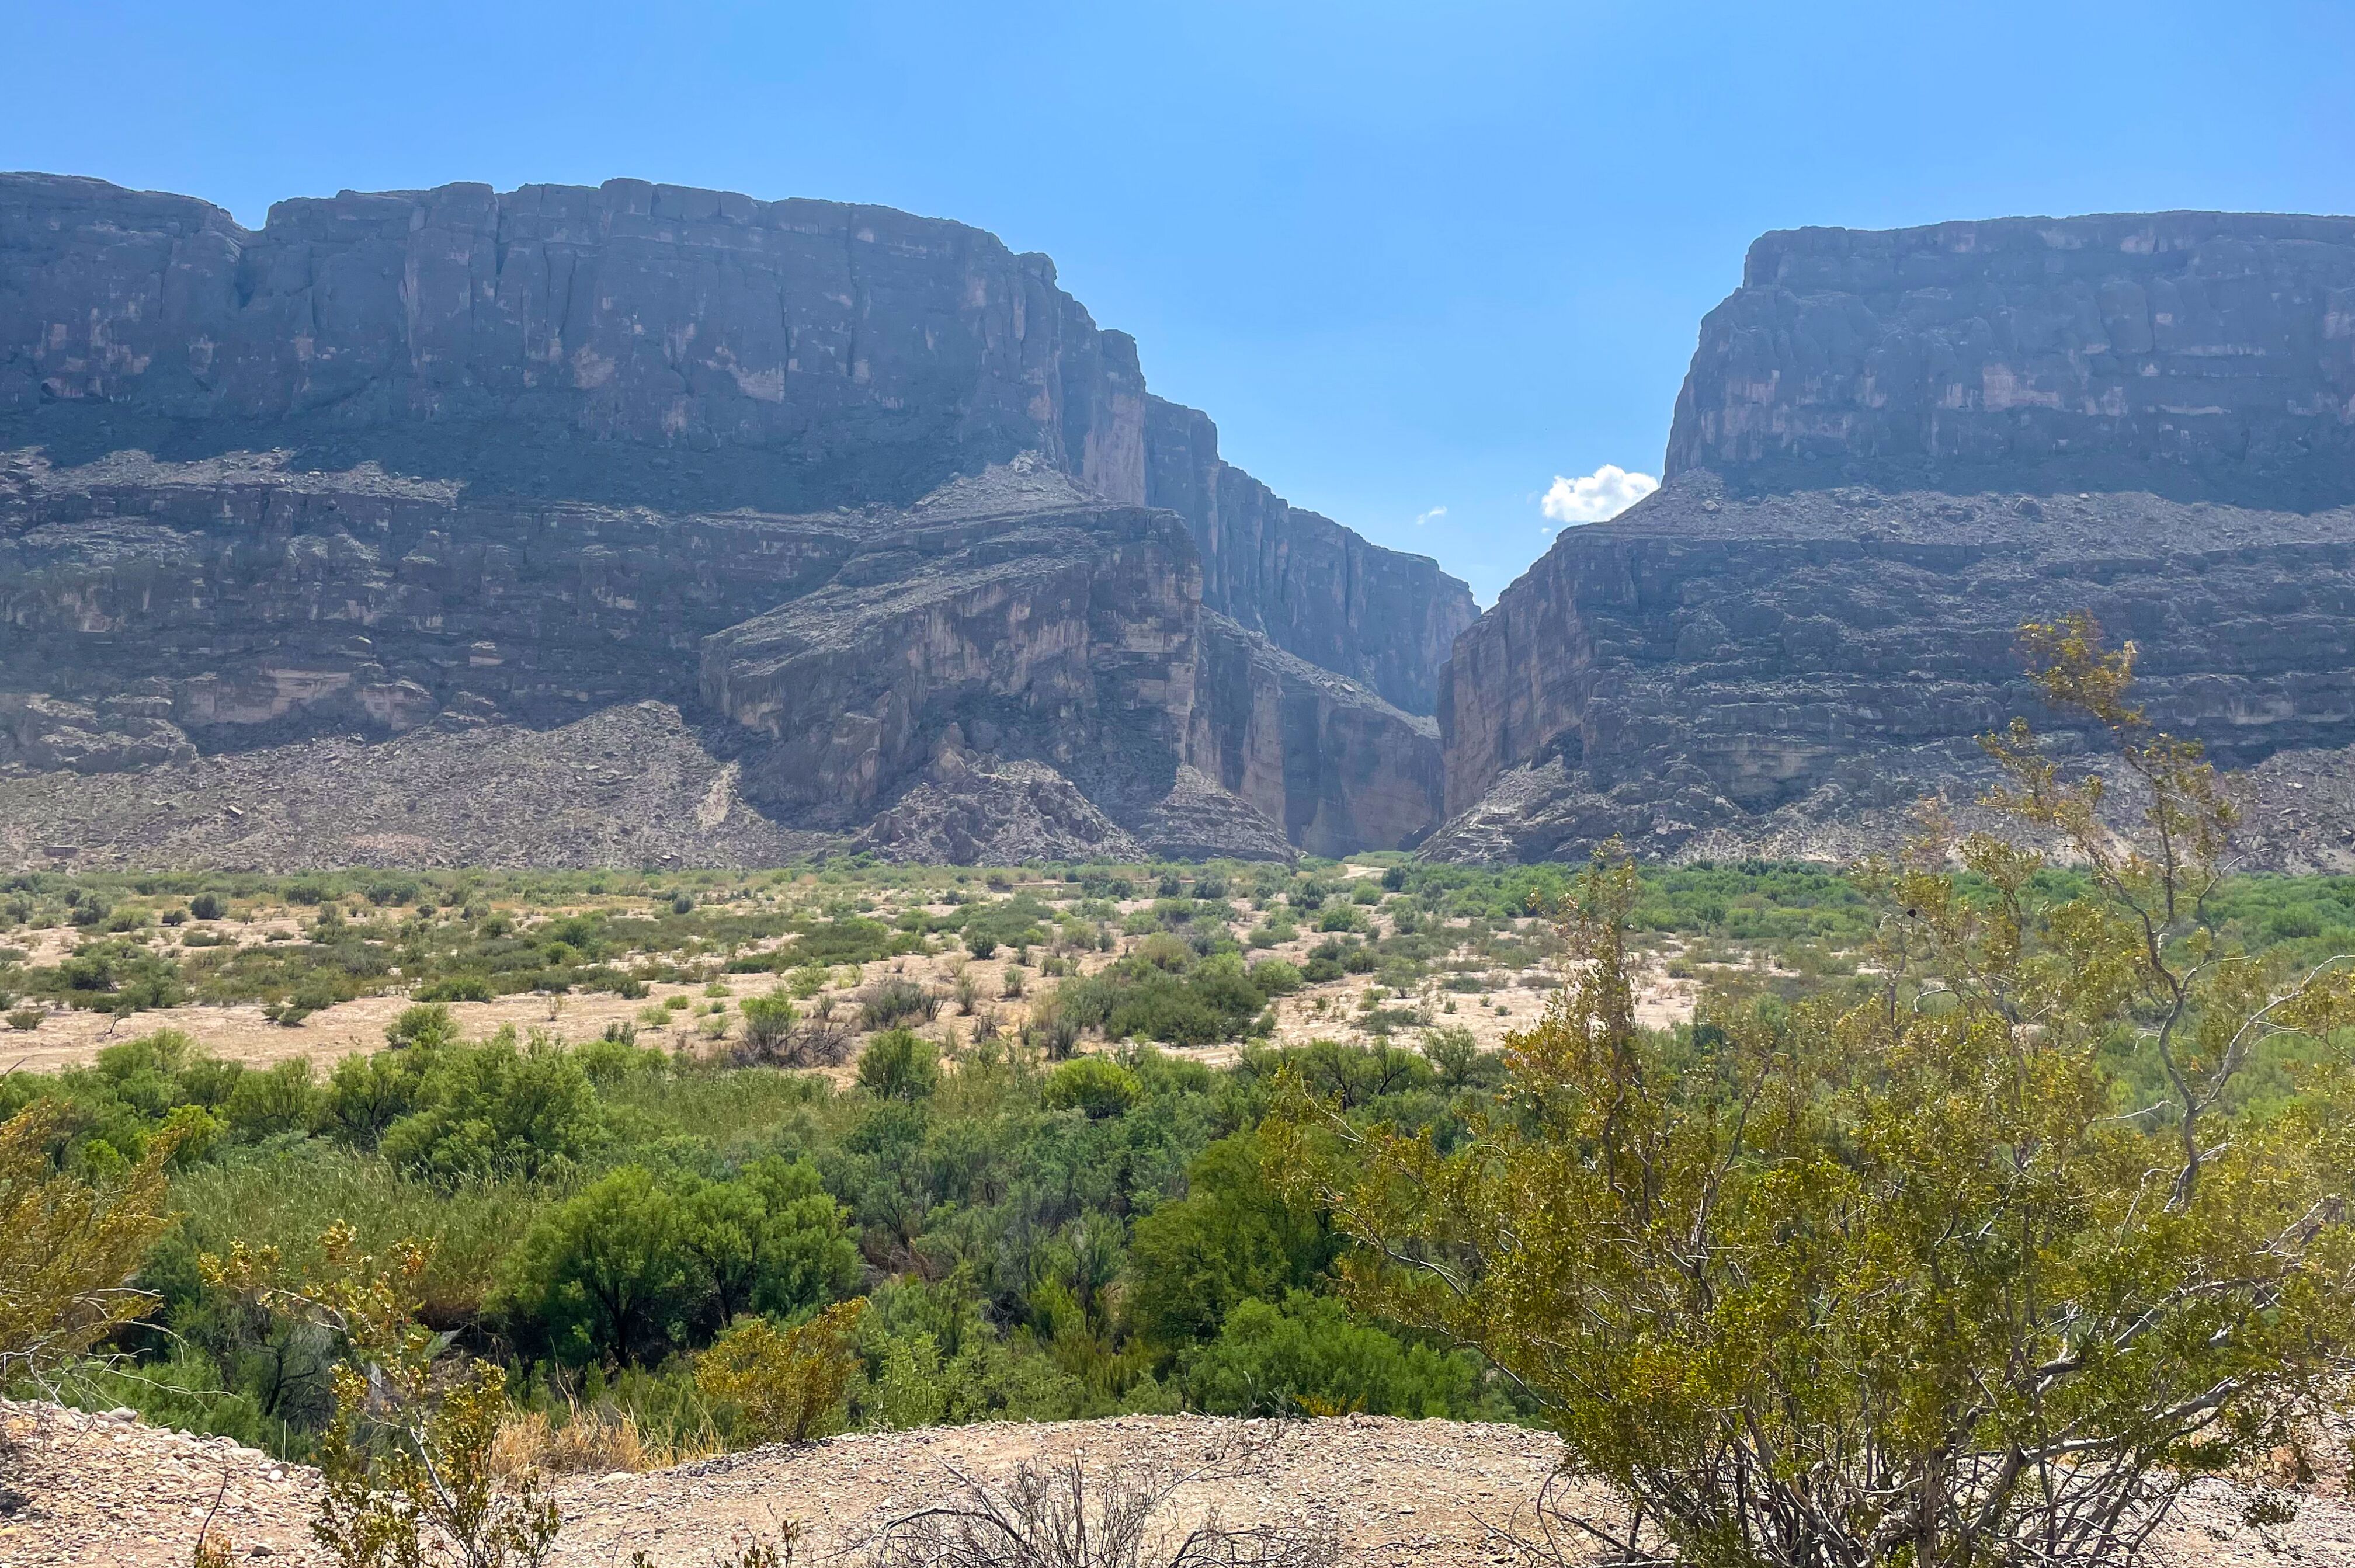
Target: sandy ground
[241, 1033]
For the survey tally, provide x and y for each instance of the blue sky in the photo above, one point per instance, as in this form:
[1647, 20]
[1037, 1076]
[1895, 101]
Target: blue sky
[1410, 256]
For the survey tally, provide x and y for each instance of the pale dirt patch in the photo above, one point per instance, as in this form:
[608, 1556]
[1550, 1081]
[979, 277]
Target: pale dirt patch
[241, 1033]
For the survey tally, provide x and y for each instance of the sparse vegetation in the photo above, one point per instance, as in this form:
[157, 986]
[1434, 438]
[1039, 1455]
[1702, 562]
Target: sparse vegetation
[1024, 1118]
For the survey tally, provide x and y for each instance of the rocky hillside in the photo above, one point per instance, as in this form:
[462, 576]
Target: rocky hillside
[853, 491]
[1891, 450]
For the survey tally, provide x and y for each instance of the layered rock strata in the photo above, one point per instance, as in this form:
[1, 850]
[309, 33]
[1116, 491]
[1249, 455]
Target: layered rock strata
[862, 496]
[1334, 765]
[1892, 450]
[1310, 586]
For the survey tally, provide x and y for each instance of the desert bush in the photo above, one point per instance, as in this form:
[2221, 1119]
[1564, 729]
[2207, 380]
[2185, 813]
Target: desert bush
[266, 1103]
[1093, 1085]
[768, 1027]
[785, 1385]
[900, 1065]
[606, 1275]
[407, 1463]
[820, 1042]
[893, 1001]
[495, 1107]
[1068, 1516]
[1308, 1355]
[67, 1244]
[1895, 1280]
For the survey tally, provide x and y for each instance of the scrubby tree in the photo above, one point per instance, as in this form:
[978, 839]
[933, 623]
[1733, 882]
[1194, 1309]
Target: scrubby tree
[1908, 1280]
[497, 1109]
[771, 1241]
[604, 1276]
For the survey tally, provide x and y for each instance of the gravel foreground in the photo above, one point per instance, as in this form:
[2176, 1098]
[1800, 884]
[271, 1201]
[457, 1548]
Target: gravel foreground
[107, 1490]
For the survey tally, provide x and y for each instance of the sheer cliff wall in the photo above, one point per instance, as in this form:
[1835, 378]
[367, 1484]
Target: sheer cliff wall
[1891, 450]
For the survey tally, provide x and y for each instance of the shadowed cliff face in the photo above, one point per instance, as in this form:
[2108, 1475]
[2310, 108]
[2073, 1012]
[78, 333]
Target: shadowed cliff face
[861, 495]
[1307, 584]
[633, 343]
[2200, 355]
[1892, 450]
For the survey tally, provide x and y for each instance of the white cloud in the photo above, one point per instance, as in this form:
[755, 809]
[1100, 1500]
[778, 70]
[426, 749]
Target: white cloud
[1605, 493]
[1422, 518]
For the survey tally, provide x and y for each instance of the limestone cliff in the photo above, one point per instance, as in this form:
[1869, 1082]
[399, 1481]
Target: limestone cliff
[1310, 586]
[633, 343]
[862, 496]
[1892, 449]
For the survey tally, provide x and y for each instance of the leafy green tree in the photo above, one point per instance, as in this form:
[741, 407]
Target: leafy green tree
[1307, 1354]
[771, 1241]
[605, 1276]
[1903, 1281]
[1231, 1239]
[1099, 1086]
[422, 1024]
[269, 1104]
[365, 1094]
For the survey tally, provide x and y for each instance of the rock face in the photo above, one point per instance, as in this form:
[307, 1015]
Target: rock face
[1332, 762]
[2200, 355]
[861, 495]
[1892, 450]
[633, 343]
[1310, 586]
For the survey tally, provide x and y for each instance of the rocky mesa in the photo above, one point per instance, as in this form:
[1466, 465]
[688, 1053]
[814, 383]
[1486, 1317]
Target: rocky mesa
[1891, 450]
[866, 498]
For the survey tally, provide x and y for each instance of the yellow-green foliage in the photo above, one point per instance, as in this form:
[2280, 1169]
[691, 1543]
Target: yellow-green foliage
[408, 1462]
[1904, 1281]
[68, 1245]
[787, 1384]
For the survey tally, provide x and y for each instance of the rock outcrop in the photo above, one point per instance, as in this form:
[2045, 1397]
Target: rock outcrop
[1336, 766]
[1310, 586]
[2200, 355]
[1892, 450]
[633, 343]
[863, 495]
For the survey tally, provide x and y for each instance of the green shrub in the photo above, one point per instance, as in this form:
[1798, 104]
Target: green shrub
[1275, 977]
[365, 1094]
[1230, 1239]
[1093, 1085]
[900, 1065]
[768, 1024]
[605, 1276]
[771, 1241]
[1309, 1354]
[267, 1105]
[493, 1108]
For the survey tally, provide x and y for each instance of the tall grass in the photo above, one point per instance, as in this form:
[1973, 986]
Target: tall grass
[287, 1196]
[741, 1112]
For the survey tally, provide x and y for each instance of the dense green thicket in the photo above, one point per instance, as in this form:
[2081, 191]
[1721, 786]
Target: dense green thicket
[1037, 1240]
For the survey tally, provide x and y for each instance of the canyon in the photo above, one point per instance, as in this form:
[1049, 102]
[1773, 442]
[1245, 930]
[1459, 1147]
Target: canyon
[723, 531]
[870, 508]
[1892, 448]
